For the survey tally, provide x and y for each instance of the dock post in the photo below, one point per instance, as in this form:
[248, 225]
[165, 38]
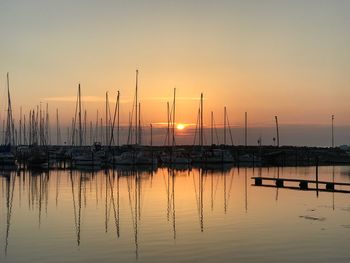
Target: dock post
[258, 181]
[329, 186]
[279, 182]
[303, 185]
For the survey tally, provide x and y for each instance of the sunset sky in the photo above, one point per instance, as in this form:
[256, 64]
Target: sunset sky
[285, 58]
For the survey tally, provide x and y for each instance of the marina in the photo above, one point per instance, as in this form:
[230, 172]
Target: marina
[47, 157]
[174, 131]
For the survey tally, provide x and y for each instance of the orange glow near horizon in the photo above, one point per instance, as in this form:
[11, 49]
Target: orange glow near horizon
[180, 126]
[249, 57]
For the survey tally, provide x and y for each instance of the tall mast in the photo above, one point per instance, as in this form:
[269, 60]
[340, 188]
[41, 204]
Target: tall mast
[136, 105]
[9, 139]
[116, 112]
[30, 127]
[139, 125]
[24, 130]
[277, 132]
[225, 118]
[47, 131]
[246, 129]
[80, 128]
[68, 134]
[36, 126]
[40, 125]
[101, 131]
[73, 131]
[20, 125]
[90, 137]
[57, 129]
[130, 134]
[202, 134]
[107, 137]
[332, 131]
[96, 128]
[173, 120]
[168, 116]
[118, 118]
[85, 128]
[212, 128]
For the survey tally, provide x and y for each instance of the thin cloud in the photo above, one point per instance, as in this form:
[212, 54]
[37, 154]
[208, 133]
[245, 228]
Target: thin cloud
[103, 99]
[83, 99]
[171, 98]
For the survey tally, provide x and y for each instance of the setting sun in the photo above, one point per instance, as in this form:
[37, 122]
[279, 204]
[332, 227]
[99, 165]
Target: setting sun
[180, 126]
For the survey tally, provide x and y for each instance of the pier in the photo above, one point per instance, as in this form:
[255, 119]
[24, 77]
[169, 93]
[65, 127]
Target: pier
[301, 184]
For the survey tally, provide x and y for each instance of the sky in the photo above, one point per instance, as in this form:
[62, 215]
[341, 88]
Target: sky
[285, 58]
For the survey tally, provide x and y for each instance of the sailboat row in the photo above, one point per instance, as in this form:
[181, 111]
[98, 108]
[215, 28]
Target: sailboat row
[40, 154]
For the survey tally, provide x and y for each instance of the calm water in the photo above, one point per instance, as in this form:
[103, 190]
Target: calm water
[172, 216]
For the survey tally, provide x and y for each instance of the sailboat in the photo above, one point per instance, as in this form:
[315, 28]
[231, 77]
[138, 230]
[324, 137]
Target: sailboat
[83, 158]
[136, 155]
[213, 155]
[7, 158]
[175, 156]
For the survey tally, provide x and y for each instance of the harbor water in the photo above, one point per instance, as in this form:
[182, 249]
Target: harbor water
[166, 215]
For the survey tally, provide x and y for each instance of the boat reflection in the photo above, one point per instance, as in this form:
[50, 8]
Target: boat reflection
[131, 198]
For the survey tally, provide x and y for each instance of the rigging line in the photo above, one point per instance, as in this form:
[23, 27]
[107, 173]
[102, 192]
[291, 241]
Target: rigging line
[130, 131]
[114, 117]
[196, 129]
[198, 122]
[75, 119]
[229, 129]
[216, 132]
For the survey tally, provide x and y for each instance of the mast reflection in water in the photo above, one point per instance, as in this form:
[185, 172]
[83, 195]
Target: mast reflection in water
[170, 215]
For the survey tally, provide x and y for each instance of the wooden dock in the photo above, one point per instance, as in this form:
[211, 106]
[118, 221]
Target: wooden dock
[302, 184]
